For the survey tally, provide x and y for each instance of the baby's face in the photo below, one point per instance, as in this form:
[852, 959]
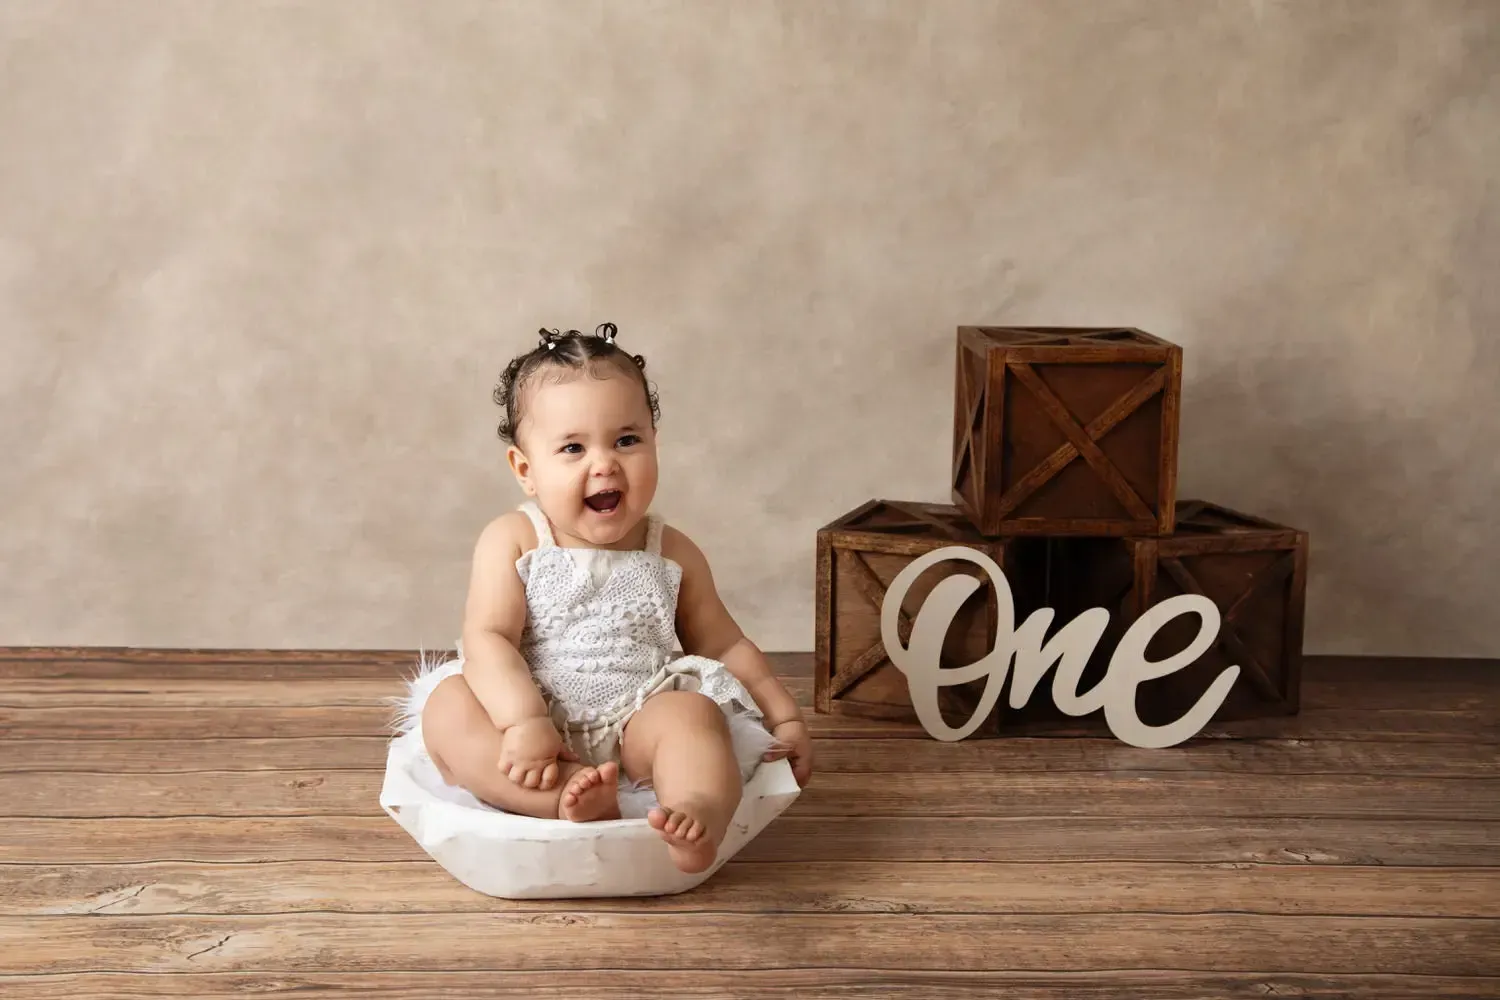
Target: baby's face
[587, 452]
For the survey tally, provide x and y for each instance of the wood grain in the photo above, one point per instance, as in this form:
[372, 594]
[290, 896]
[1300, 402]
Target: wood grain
[783, 887]
[312, 942]
[1097, 428]
[753, 984]
[200, 838]
[1130, 377]
[1355, 848]
[1328, 683]
[148, 692]
[301, 722]
[165, 756]
[1084, 444]
[119, 663]
[116, 662]
[857, 555]
[1056, 794]
[1349, 679]
[1249, 568]
[848, 755]
[906, 838]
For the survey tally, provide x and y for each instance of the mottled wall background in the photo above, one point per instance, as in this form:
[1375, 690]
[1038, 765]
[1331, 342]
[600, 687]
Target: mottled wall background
[261, 262]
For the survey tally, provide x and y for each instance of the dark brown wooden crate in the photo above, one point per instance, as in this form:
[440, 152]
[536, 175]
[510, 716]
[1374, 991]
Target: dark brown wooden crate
[858, 555]
[1066, 430]
[1255, 572]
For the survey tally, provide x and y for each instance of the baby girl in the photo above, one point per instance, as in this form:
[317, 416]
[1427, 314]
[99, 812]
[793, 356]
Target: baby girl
[567, 682]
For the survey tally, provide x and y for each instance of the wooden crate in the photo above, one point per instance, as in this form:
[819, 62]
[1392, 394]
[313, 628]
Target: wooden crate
[1255, 572]
[858, 555]
[1066, 430]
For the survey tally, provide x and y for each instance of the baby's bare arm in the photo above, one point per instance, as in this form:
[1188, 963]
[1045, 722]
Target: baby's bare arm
[494, 618]
[706, 628]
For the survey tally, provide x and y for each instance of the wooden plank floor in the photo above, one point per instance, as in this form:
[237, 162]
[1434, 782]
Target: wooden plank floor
[195, 824]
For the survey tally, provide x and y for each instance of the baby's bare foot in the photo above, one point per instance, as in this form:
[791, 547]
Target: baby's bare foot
[689, 842]
[591, 794]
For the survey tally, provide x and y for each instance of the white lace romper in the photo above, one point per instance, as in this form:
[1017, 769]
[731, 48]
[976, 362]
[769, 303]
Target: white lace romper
[600, 637]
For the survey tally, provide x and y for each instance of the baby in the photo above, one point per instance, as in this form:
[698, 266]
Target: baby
[567, 674]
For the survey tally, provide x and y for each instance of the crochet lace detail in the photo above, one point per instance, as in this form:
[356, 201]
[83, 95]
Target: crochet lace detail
[601, 623]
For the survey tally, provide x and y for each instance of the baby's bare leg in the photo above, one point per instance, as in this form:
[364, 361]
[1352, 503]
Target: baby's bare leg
[465, 746]
[680, 740]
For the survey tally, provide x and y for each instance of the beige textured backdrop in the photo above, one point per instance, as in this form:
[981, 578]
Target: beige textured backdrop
[260, 264]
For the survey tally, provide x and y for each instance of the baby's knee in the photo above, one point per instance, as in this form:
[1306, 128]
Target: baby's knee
[689, 708]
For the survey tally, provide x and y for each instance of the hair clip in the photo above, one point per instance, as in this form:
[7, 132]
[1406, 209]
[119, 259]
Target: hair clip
[549, 338]
[609, 332]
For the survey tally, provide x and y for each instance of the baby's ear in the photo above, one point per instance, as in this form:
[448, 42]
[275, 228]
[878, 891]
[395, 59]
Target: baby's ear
[520, 467]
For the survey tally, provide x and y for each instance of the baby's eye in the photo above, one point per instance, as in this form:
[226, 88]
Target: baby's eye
[629, 439]
[570, 446]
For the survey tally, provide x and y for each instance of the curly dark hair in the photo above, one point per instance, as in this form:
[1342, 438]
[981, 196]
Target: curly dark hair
[574, 350]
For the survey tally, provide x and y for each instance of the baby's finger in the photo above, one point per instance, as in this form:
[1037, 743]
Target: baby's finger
[566, 754]
[549, 776]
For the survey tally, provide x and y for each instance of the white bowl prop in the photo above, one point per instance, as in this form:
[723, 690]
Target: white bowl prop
[521, 857]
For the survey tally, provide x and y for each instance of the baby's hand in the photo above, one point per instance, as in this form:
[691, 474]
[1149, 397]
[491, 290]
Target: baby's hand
[795, 744]
[529, 752]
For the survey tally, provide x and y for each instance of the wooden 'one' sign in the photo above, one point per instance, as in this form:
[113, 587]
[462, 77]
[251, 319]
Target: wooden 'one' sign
[1069, 649]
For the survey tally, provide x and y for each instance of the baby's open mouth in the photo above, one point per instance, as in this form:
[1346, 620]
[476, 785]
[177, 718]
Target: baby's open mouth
[603, 501]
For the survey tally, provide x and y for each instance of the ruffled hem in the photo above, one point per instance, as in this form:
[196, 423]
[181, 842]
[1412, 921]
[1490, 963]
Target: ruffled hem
[594, 734]
[711, 678]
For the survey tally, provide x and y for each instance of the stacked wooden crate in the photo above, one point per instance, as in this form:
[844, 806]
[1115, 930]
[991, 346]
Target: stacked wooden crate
[1064, 472]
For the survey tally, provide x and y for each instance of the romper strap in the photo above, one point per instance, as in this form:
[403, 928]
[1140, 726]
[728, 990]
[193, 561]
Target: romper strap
[538, 522]
[653, 534]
